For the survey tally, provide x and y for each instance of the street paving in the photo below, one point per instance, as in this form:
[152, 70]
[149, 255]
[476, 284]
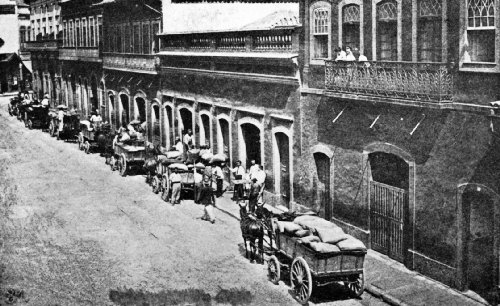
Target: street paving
[73, 232]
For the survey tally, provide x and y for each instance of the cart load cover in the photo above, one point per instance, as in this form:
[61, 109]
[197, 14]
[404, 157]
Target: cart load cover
[207, 156]
[199, 166]
[173, 154]
[322, 247]
[86, 123]
[351, 244]
[178, 166]
[221, 157]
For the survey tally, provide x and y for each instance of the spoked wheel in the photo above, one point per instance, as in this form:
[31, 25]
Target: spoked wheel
[356, 284]
[30, 124]
[156, 184]
[122, 165]
[166, 189]
[274, 270]
[86, 146]
[301, 280]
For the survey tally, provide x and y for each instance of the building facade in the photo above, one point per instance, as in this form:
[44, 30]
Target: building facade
[405, 144]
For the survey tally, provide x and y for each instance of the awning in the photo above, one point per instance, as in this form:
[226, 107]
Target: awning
[205, 17]
[28, 66]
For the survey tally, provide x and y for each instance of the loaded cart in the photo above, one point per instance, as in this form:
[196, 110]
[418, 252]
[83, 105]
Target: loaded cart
[316, 263]
[94, 136]
[130, 156]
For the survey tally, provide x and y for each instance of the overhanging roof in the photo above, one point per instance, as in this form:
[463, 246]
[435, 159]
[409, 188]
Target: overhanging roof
[185, 18]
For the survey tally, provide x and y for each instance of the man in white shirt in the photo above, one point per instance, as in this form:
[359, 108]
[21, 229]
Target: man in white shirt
[96, 119]
[219, 179]
[260, 175]
[178, 145]
[60, 116]
[188, 139]
[253, 169]
[239, 173]
[198, 184]
[175, 181]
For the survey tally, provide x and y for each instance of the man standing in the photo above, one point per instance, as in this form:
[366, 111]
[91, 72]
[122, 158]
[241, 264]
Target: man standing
[208, 200]
[175, 182]
[253, 169]
[239, 172]
[45, 101]
[178, 145]
[188, 140]
[219, 179]
[60, 117]
[253, 196]
[198, 185]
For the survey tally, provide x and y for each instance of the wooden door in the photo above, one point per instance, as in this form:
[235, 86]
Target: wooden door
[388, 209]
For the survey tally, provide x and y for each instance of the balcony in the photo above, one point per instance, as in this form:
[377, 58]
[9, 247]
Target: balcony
[277, 41]
[423, 82]
[88, 54]
[41, 45]
[142, 63]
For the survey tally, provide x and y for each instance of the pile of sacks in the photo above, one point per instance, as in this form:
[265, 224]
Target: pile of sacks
[320, 235]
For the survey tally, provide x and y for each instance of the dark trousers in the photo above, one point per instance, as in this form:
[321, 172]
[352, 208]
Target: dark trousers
[219, 187]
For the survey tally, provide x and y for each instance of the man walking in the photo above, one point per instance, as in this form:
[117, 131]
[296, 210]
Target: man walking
[239, 172]
[207, 198]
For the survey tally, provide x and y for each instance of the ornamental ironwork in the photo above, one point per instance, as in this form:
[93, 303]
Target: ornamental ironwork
[387, 11]
[429, 8]
[481, 13]
[430, 82]
[321, 21]
[350, 14]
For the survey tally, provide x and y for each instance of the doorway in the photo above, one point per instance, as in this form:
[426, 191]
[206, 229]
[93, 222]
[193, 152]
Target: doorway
[186, 122]
[480, 265]
[205, 131]
[155, 116]
[282, 161]
[250, 144]
[388, 190]
[140, 109]
[124, 109]
[323, 193]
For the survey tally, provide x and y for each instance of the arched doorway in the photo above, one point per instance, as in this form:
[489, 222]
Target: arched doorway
[112, 109]
[94, 98]
[480, 241]
[282, 167]
[140, 109]
[155, 125]
[223, 139]
[388, 185]
[186, 122]
[168, 127]
[124, 109]
[205, 132]
[85, 97]
[323, 191]
[250, 144]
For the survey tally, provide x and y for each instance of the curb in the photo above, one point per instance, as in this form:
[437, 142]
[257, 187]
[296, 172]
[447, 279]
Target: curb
[386, 297]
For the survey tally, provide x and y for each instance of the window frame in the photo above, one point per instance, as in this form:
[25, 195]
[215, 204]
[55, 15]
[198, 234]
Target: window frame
[328, 7]
[341, 6]
[399, 35]
[416, 26]
[475, 66]
[92, 32]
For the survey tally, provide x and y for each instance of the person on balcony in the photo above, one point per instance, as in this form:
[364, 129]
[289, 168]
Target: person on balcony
[341, 55]
[349, 55]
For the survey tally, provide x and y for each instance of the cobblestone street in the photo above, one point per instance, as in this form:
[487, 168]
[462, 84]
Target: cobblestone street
[75, 233]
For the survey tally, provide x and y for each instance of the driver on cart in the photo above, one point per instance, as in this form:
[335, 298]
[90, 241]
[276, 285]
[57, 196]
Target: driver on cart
[45, 101]
[96, 119]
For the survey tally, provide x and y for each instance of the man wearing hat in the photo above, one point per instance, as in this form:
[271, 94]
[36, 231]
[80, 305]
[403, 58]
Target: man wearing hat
[239, 172]
[175, 182]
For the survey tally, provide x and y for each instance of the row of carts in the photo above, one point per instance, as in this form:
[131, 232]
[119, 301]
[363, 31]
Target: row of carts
[307, 268]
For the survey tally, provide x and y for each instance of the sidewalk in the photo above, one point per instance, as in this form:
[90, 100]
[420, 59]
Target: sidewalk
[388, 279]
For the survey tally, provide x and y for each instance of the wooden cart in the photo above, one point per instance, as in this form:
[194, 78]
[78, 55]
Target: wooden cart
[308, 267]
[129, 156]
[100, 136]
[187, 183]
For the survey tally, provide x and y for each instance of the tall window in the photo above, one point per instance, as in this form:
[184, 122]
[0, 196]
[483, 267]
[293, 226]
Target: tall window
[84, 32]
[77, 36]
[481, 30]
[321, 20]
[350, 26]
[429, 42]
[145, 38]
[127, 39]
[387, 31]
[99, 30]
[156, 30]
[119, 35]
[137, 38]
[92, 32]
[65, 34]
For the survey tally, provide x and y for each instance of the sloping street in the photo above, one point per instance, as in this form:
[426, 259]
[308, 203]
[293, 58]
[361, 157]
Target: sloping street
[75, 233]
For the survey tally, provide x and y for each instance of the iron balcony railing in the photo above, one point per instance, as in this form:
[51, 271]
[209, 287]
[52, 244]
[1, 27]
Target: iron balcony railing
[129, 61]
[42, 45]
[430, 82]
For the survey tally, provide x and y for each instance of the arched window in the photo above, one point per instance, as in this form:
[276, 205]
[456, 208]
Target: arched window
[387, 31]
[351, 26]
[481, 30]
[320, 30]
[429, 35]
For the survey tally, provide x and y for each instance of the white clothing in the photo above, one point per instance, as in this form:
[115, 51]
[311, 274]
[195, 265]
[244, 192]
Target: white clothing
[179, 147]
[350, 57]
[362, 58]
[45, 102]
[217, 172]
[253, 170]
[60, 116]
[198, 178]
[95, 118]
[239, 170]
[341, 56]
[260, 176]
[124, 137]
[187, 139]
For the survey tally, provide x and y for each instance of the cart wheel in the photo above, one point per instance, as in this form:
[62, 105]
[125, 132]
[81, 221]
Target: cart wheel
[356, 284]
[122, 165]
[51, 129]
[30, 124]
[301, 280]
[274, 270]
[166, 189]
[86, 146]
[156, 184]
